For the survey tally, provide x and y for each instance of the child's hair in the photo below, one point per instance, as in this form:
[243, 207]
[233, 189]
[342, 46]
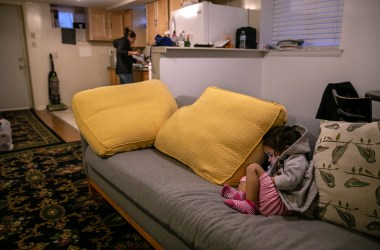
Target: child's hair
[281, 137]
[129, 33]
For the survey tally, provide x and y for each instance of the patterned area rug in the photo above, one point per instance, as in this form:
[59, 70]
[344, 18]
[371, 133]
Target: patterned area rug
[28, 131]
[45, 204]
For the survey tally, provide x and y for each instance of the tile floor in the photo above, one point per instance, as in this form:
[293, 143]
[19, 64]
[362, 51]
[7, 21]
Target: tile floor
[67, 116]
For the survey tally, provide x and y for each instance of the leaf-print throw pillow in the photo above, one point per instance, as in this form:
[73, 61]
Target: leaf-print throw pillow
[347, 172]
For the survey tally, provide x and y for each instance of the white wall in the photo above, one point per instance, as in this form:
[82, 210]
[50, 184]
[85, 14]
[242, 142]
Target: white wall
[75, 72]
[298, 82]
[189, 73]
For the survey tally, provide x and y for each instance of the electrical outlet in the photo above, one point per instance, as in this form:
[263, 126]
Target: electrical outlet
[55, 55]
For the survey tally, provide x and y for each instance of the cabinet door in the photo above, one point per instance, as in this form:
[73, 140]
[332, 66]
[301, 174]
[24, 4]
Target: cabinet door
[162, 17]
[137, 75]
[96, 19]
[116, 25]
[151, 22]
[115, 80]
[145, 75]
[174, 5]
[139, 26]
[127, 19]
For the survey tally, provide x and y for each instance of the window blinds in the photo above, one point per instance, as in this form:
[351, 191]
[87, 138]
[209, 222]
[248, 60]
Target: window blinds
[317, 22]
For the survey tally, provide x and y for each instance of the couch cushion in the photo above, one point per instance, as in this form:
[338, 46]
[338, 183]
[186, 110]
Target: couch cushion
[347, 166]
[220, 134]
[125, 117]
[192, 208]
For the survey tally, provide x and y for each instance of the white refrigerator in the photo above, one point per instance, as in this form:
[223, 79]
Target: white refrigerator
[207, 23]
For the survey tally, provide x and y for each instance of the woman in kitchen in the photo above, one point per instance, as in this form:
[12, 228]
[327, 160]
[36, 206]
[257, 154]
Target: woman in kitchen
[124, 53]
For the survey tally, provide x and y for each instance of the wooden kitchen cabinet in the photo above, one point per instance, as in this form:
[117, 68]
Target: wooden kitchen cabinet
[135, 20]
[162, 17]
[115, 24]
[157, 19]
[151, 22]
[127, 18]
[96, 24]
[114, 79]
[104, 25]
[174, 5]
[138, 75]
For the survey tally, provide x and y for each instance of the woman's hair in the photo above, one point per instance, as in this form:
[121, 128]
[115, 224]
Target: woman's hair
[281, 137]
[129, 33]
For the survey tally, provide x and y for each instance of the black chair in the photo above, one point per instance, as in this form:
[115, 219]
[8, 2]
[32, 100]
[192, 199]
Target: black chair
[353, 109]
[327, 107]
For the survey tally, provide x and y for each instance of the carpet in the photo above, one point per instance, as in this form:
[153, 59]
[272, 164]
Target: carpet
[45, 204]
[28, 131]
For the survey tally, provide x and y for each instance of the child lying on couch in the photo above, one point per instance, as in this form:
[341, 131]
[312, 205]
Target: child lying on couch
[286, 186]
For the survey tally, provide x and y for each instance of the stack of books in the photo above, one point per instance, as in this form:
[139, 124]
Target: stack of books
[289, 44]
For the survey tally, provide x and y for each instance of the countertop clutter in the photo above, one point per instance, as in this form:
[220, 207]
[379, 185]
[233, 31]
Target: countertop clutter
[140, 67]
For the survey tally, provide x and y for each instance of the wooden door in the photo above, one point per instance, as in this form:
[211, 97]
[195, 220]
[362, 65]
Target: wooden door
[14, 87]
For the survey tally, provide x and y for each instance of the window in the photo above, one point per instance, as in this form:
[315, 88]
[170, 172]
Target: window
[317, 22]
[67, 17]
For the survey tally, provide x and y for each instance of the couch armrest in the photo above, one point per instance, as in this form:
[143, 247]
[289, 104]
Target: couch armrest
[84, 149]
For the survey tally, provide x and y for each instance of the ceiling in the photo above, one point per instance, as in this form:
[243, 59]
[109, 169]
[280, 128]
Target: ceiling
[108, 4]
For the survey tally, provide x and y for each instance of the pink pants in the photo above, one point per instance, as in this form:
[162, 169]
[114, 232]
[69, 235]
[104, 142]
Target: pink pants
[270, 202]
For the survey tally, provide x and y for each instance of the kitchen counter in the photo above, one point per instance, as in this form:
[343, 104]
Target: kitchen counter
[137, 68]
[159, 52]
[164, 49]
[190, 70]
[208, 51]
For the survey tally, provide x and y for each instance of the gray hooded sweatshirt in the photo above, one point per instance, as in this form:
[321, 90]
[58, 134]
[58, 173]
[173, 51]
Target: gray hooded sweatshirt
[294, 175]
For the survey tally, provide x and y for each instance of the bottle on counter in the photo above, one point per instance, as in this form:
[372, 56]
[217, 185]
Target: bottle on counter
[187, 42]
[175, 39]
[181, 40]
[243, 38]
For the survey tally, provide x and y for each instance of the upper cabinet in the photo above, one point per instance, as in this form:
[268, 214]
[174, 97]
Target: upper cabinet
[134, 19]
[104, 25]
[157, 19]
[174, 5]
[96, 24]
[151, 22]
[115, 24]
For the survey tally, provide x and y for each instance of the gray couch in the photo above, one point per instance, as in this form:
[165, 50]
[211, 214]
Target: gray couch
[175, 209]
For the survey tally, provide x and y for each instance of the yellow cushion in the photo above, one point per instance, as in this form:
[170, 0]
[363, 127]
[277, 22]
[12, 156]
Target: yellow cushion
[124, 117]
[347, 171]
[220, 134]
